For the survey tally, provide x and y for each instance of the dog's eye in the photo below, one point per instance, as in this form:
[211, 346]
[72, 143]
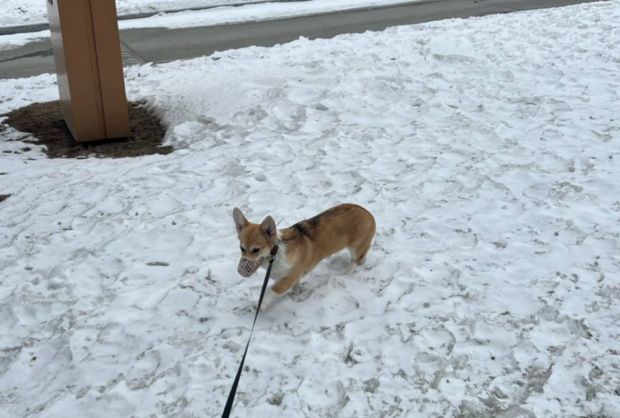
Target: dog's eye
[255, 250]
[242, 249]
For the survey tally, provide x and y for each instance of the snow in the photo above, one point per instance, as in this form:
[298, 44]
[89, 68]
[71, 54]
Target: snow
[487, 149]
[28, 12]
[8, 42]
[252, 13]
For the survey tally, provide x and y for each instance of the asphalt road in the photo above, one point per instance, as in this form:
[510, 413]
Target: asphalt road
[161, 45]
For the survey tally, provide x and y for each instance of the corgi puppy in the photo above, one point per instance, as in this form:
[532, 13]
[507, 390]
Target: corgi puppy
[302, 246]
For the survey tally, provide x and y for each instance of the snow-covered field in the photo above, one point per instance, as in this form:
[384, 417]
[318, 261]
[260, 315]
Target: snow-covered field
[23, 12]
[489, 152]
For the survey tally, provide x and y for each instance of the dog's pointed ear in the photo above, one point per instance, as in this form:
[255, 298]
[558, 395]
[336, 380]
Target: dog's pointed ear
[268, 226]
[240, 221]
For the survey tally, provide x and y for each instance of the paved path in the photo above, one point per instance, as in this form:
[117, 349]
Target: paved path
[161, 45]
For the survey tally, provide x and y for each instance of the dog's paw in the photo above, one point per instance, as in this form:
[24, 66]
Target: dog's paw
[350, 269]
[268, 300]
[296, 289]
[300, 294]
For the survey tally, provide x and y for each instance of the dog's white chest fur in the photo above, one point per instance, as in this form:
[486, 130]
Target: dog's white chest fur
[279, 270]
[281, 266]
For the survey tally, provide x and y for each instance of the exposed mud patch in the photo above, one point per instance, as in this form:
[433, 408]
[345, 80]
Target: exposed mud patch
[45, 123]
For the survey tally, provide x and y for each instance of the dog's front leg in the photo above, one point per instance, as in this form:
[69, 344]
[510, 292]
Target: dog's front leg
[281, 287]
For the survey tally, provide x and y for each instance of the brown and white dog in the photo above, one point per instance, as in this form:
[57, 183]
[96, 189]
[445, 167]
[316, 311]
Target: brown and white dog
[303, 245]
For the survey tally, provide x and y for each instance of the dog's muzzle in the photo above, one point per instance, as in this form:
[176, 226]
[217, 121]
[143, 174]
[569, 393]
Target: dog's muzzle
[247, 267]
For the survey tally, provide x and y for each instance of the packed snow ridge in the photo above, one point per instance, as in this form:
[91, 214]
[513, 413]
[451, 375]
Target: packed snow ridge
[488, 151]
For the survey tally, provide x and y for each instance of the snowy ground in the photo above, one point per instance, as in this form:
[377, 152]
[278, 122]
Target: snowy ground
[17, 40]
[28, 12]
[24, 12]
[251, 13]
[487, 149]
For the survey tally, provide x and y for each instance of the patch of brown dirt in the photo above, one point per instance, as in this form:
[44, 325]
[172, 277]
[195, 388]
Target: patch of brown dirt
[44, 121]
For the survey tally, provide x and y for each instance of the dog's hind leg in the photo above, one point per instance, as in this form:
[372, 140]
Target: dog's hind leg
[358, 252]
[352, 261]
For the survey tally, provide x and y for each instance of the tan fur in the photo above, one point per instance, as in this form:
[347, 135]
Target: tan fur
[308, 242]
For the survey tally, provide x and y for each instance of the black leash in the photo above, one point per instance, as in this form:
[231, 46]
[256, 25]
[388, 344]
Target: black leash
[233, 390]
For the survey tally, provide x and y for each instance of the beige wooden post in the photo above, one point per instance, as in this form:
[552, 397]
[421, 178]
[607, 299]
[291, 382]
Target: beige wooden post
[87, 54]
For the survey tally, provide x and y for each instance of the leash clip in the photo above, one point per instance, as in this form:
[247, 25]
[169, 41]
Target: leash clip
[274, 251]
